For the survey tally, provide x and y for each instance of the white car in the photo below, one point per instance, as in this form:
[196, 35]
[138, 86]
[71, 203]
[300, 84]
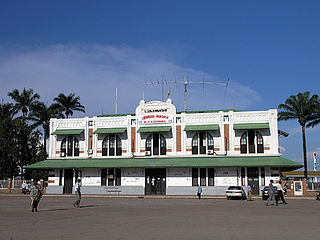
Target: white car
[236, 192]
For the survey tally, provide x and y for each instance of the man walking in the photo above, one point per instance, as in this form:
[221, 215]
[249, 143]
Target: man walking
[77, 190]
[199, 191]
[280, 192]
[271, 194]
[249, 198]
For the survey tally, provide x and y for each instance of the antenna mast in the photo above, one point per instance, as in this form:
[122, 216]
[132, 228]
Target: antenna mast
[185, 82]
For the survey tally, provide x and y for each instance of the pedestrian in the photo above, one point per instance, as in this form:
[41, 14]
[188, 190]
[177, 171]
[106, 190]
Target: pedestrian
[199, 191]
[77, 190]
[249, 198]
[280, 192]
[271, 194]
[35, 195]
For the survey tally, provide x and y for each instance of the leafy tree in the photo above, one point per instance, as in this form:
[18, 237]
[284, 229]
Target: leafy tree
[23, 100]
[301, 107]
[68, 104]
[40, 115]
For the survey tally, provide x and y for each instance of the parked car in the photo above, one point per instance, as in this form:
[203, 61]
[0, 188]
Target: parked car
[236, 192]
[265, 192]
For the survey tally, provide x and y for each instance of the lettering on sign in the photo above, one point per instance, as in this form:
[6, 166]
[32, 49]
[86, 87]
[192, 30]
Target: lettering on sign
[155, 110]
[155, 118]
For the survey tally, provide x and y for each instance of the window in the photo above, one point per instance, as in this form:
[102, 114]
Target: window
[111, 177]
[201, 142]
[210, 176]
[70, 146]
[203, 176]
[252, 142]
[194, 176]
[156, 145]
[112, 146]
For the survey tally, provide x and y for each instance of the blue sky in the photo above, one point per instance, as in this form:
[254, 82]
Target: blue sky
[269, 49]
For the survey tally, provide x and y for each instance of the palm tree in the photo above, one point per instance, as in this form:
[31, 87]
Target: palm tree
[68, 104]
[23, 101]
[303, 108]
[40, 114]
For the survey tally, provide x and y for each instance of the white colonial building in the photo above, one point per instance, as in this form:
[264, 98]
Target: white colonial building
[159, 151]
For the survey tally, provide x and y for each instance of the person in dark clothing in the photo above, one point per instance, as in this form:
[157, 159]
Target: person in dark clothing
[271, 194]
[280, 192]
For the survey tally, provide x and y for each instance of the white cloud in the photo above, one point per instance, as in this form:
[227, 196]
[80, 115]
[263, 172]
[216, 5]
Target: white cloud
[94, 71]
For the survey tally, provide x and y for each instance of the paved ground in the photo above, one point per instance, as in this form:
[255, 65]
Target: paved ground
[136, 218]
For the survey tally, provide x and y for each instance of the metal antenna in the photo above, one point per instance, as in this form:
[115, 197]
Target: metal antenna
[185, 82]
[116, 101]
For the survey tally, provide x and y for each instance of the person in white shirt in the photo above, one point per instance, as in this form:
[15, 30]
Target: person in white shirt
[77, 190]
[280, 192]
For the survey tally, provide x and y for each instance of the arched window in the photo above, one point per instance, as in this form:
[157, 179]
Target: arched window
[148, 145]
[163, 147]
[210, 142]
[195, 144]
[243, 143]
[64, 146]
[156, 145]
[118, 146]
[260, 148]
[76, 147]
[112, 146]
[105, 147]
[70, 146]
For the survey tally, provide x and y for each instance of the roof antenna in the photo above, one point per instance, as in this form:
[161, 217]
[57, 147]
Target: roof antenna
[225, 91]
[116, 101]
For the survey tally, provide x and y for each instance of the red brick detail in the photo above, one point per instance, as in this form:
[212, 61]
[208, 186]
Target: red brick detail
[50, 181]
[169, 150]
[57, 152]
[124, 151]
[226, 137]
[189, 149]
[133, 139]
[217, 149]
[99, 151]
[266, 148]
[90, 138]
[178, 138]
[142, 150]
[237, 149]
[81, 151]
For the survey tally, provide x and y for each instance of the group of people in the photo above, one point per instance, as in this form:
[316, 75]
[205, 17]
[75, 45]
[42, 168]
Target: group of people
[271, 192]
[36, 193]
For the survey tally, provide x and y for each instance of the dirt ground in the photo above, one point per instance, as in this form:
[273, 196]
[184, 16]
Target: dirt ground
[147, 218]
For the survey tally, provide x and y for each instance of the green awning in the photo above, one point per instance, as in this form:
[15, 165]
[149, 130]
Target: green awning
[271, 161]
[67, 131]
[210, 127]
[246, 126]
[154, 129]
[110, 130]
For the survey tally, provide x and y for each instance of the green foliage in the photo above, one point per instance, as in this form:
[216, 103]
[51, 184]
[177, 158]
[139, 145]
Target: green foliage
[20, 137]
[68, 104]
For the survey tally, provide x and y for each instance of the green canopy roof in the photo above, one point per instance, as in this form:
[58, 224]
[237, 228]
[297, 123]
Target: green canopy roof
[201, 127]
[273, 161]
[154, 129]
[110, 130]
[67, 131]
[250, 126]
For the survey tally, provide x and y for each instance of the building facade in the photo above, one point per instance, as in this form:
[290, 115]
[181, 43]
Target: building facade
[159, 151]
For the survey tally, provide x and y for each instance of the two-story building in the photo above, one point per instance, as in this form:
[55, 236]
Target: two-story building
[159, 151]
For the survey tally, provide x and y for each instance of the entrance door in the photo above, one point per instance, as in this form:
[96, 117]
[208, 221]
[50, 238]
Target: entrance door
[253, 179]
[155, 181]
[68, 181]
[156, 144]
[298, 188]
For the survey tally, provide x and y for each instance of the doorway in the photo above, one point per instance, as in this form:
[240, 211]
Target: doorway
[68, 181]
[298, 188]
[253, 179]
[155, 181]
